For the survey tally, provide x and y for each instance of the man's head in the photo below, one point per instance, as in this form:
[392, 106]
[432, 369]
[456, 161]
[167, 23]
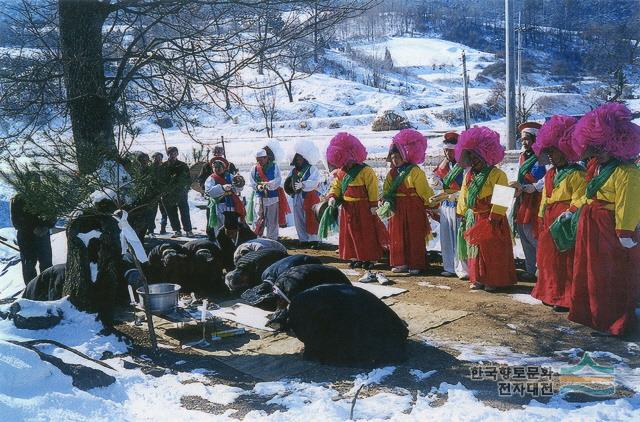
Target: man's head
[218, 151]
[157, 157]
[596, 153]
[231, 224]
[557, 158]
[449, 145]
[143, 159]
[172, 154]
[219, 167]
[204, 256]
[395, 157]
[528, 133]
[528, 140]
[471, 159]
[172, 259]
[262, 157]
[299, 161]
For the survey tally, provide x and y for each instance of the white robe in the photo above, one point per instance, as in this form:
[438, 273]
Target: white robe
[299, 217]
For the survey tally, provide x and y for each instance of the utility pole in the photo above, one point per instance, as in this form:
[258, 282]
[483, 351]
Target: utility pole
[510, 94]
[519, 82]
[465, 82]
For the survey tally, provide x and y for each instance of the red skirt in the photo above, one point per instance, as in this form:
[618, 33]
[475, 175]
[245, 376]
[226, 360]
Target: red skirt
[494, 265]
[311, 223]
[362, 234]
[606, 275]
[283, 208]
[408, 229]
[555, 269]
[527, 209]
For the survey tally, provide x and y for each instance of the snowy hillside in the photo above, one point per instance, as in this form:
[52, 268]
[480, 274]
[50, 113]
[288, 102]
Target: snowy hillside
[425, 84]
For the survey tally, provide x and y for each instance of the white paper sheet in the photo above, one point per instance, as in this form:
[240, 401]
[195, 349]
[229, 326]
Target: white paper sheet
[503, 196]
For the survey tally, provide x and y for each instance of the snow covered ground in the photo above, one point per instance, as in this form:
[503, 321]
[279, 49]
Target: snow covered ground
[32, 389]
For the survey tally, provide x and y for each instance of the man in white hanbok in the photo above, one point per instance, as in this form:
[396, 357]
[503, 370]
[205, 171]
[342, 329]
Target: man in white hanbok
[303, 181]
[450, 177]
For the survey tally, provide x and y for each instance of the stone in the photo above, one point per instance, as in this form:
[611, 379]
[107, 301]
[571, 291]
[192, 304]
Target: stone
[390, 120]
[30, 315]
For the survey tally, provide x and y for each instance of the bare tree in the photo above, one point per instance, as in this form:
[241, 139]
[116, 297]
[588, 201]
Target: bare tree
[293, 64]
[527, 106]
[87, 66]
[266, 100]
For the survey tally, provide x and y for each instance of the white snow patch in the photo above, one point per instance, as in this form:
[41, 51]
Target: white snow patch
[525, 298]
[86, 237]
[374, 377]
[77, 329]
[93, 267]
[420, 375]
[437, 286]
[487, 353]
[33, 308]
[22, 370]
[103, 195]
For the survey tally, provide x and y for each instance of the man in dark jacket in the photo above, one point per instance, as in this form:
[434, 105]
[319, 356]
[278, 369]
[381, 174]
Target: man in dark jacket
[138, 165]
[33, 237]
[168, 263]
[250, 267]
[47, 285]
[205, 268]
[341, 324]
[262, 295]
[233, 233]
[156, 171]
[177, 186]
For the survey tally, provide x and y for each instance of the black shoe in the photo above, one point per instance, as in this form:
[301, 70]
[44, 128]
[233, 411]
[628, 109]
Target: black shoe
[314, 245]
[562, 309]
[358, 264]
[367, 265]
[352, 264]
[528, 277]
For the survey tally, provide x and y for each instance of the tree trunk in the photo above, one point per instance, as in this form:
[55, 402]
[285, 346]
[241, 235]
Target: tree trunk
[288, 86]
[88, 295]
[90, 109]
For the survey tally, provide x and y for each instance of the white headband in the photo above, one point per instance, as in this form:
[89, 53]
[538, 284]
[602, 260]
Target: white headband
[531, 130]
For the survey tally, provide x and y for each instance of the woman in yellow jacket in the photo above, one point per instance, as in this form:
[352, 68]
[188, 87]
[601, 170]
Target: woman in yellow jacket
[564, 187]
[484, 237]
[355, 187]
[606, 270]
[405, 200]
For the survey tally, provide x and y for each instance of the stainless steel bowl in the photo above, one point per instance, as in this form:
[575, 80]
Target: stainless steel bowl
[163, 297]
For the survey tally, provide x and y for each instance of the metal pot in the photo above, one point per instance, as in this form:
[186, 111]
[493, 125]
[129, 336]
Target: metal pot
[163, 297]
